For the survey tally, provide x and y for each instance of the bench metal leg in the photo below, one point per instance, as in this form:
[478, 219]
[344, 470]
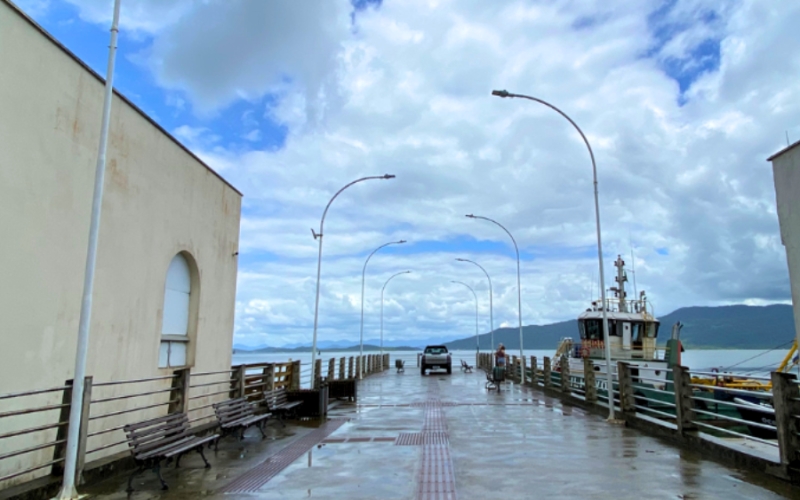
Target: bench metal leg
[202, 455]
[241, 434]
[261, 428]
[157, 470]
[130, 479]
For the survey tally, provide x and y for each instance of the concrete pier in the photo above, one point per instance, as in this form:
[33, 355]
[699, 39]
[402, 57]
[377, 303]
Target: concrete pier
[445, 437]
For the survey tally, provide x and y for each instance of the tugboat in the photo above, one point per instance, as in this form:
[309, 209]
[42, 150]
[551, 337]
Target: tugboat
[632, 331]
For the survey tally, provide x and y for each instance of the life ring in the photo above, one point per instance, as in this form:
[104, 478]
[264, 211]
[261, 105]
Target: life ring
[585, 351]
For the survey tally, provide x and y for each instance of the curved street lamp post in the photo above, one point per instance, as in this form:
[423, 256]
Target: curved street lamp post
[363, 275]
[491, 306]
[382, 290]
[609, 376]
[477, 345]
[519, 288]
[319, 265]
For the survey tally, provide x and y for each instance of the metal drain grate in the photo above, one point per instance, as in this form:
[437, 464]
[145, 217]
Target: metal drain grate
[259, 475]
[359, 440]
[409, 439]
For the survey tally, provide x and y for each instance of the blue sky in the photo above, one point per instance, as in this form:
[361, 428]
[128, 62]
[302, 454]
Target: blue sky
[305, 100]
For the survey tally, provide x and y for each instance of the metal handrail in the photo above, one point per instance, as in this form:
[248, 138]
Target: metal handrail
[134, 381]
[727, 431]
[32, 393]
[734, 391]
[737, 405]
[729, 374]
[31, 469]
[735, 420]
[127, 396]
[129, 410]
[32, 448]
[33, 410]
[32, 429]
[203, 374]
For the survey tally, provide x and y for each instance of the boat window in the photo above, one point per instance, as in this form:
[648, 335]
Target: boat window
[581, 329]
[594, 329]
[637, 331]
[652, 330]
[175, 327]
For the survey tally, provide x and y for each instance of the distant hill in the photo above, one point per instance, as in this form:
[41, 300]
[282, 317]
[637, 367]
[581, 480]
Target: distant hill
[725, 327]
[354, 348]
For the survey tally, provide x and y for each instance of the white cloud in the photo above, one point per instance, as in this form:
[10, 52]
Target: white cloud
[406, 91]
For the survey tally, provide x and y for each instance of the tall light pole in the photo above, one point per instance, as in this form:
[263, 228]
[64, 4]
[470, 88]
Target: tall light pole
[519, 288]
[319, 264]
[383, 290]
[477, 345]
[68, 490]
[609, 376]
[491, 306]
[363, 275]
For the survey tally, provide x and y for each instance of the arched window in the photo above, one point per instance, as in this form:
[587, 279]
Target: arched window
[175, 325]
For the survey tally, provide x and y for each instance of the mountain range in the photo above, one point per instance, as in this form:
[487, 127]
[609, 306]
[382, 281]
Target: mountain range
[724, 327]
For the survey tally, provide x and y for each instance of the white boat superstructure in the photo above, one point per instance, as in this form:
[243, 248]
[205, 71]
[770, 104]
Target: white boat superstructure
[632, 331]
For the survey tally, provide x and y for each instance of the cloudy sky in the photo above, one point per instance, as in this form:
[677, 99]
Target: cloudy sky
[682, 101]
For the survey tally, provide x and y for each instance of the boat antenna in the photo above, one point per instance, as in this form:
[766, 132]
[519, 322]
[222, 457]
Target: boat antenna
[591, 290]
[633, 265]
[787, 139]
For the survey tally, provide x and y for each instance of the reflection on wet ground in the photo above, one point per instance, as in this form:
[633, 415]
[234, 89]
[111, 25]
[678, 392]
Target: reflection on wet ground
[454, 435]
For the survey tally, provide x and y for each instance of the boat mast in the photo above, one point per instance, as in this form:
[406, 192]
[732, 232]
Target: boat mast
[619, 290]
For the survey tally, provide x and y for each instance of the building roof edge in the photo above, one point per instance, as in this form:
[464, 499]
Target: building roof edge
[784, 150]
[136, 108]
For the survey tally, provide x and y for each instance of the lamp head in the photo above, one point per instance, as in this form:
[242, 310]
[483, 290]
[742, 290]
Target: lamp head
[461, 260]
[501, 93]
[470, 216]
[388, 176]
[401, 241]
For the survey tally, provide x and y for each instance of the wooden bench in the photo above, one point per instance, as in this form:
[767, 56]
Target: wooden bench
[400, 365]
[278, 403]
[162, 438]
[465, 367]
[235, 414]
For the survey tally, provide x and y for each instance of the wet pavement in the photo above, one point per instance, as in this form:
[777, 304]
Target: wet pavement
[445, 437]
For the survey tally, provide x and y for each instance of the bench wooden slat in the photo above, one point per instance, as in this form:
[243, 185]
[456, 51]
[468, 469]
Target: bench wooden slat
[198, 441]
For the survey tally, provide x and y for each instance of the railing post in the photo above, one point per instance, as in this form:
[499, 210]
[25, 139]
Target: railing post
[358, 366]
[566, 387]
[785, 395]
[317, 382]
[294, 383]
[342, 372]
[331, 369]
[627, 402]
[589, 381]
[514, 369]
[684, 405]
[523, 377]
[268, 379]
[180, 392]
[350, 367]
[534, 375]
[546, 373]
[237, 382]
[61, 434]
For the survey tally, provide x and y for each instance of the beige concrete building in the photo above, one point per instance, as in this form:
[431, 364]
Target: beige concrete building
[786, 172]
[168, 243]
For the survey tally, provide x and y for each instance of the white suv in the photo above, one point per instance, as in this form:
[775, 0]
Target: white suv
[435, 357]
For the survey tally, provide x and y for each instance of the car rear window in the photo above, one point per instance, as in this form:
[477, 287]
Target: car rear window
[435, 350]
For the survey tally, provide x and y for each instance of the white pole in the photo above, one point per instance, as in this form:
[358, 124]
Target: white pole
[68, 490]
[319, 266]
[519, 287]
[382, 290]
[607, 341]
[477, 344]
[363, 276]
[491, 305]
